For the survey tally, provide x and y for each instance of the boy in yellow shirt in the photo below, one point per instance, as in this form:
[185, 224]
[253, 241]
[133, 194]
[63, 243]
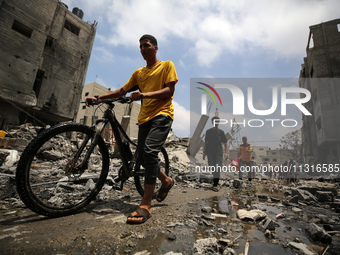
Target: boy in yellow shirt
[156, 82]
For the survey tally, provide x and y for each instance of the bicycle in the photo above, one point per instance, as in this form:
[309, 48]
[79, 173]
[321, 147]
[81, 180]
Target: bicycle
[65, 167]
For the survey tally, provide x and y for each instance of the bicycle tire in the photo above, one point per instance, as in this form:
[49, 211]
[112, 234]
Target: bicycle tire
[47, 181]
[140, 172]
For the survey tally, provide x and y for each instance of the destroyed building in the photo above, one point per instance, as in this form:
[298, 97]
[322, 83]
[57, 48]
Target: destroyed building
[45, 50]
[321, 130]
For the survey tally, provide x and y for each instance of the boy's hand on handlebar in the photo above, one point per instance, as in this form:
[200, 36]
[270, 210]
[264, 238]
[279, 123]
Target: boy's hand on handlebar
[135, 96]
[89, 100]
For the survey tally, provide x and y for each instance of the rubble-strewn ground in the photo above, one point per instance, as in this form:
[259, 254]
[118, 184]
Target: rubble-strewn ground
[265, 216]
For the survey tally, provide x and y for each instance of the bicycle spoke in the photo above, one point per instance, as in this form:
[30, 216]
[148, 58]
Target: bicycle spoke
[60, 178]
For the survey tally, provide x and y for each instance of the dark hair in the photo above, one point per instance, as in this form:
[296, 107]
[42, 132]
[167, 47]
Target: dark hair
[151, 38]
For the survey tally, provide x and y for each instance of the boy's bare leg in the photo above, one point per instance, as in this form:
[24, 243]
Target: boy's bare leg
[166, 180]
[146, 200]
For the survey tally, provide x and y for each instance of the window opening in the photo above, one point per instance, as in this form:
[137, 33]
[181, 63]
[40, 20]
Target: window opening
[71, 27]
[22, 29]
[311, 41]
[49, 41]
[38, 82]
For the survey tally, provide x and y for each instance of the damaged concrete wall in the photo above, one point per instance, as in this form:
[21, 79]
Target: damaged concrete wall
[321, 131]
[45, 51]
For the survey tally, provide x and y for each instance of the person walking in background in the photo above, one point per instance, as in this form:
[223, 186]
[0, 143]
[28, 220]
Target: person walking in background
[213, 148]
[292, 169]
[245, 158]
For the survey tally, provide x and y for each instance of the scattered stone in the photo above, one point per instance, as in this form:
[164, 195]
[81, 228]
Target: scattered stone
[296, 210]
[251, 215]
[205, 246]
[267, 224]
[237, 184]
[142, 253]
[294, 200]
[302, 248]
[171, 237]
[229, 251]
[324, 196]
[225, 242]
[208, 217]
[206, 209]
[304, 195]
[217, 215]
[318, 234]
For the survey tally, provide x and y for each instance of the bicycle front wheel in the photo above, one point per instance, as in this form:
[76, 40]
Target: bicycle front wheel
[140, 172]
[54, 177]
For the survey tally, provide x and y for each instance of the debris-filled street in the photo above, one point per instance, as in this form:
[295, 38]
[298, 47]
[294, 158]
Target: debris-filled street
[264, 216]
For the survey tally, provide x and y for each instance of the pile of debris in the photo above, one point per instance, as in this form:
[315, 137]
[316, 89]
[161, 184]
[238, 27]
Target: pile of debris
[311, 201]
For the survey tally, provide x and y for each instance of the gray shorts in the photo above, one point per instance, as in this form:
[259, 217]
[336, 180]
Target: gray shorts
[151, 137]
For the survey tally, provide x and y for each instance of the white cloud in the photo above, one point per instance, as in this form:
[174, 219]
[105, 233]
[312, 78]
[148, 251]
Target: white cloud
[103, 54]
[214, 28]
[181, 124]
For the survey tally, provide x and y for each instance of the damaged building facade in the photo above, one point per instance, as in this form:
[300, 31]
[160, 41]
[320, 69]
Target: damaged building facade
[321, 130]
[45, 50]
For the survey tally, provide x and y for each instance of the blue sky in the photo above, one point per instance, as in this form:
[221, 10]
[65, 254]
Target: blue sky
[204, 39]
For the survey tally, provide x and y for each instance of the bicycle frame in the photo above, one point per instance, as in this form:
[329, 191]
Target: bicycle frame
[109, 117]
[116, 127]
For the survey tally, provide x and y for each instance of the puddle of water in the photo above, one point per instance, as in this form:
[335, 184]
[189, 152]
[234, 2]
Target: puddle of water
[160, 244]
[259, 248]
[259, 243]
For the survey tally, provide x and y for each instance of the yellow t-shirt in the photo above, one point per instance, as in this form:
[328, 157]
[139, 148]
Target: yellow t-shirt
[245, 155]
[150, 79]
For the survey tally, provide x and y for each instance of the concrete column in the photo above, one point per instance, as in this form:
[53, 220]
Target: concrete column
[195, 141]
[125, 123]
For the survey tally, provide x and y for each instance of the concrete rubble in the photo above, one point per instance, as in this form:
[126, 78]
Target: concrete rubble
[313, 203]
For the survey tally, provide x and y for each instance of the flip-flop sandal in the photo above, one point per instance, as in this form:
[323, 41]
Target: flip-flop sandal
[141, 213]
[214, 189]
[163, 192]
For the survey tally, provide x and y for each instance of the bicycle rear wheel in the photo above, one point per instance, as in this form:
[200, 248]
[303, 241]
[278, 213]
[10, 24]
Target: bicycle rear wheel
[140, 172]
[49, 178]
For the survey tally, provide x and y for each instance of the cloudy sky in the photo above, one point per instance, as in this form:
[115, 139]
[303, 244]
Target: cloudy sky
[204, 39]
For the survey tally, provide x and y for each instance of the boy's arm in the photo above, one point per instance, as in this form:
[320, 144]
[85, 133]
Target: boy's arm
[165, 92]
[114, 94]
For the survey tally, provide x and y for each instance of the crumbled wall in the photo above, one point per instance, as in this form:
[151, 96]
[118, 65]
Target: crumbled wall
[45, 51]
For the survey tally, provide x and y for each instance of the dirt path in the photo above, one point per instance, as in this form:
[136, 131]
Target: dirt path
[175, 226]
[99, 229]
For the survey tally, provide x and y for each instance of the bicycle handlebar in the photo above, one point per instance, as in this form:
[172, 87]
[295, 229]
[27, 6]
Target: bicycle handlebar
[123, 100]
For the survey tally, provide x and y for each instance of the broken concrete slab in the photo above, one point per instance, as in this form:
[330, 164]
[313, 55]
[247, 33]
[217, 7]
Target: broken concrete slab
[302, 248]
[251, 215]
[324, 196]
[267, 224]
[318, 234]
[205, 246]
[304, 195]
